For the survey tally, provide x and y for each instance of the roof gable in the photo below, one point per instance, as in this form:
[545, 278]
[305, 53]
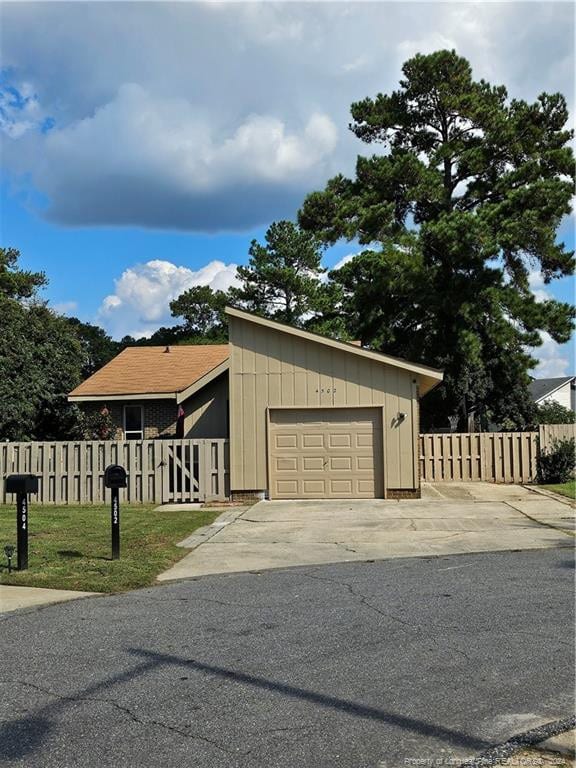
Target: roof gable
[540, 388]
[428, 377]
[153, 372]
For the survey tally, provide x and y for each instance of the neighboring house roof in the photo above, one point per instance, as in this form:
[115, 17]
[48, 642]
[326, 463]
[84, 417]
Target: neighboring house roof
[174, 372]
[428, 377]
[540, 388]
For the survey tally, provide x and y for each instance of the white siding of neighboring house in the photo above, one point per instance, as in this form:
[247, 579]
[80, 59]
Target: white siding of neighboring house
[565, 395]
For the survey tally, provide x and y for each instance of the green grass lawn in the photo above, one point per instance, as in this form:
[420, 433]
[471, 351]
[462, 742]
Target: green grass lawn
[565, 489]
[69, 547]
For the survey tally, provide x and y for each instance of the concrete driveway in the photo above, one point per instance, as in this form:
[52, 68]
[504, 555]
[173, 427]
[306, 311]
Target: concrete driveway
[450, 519]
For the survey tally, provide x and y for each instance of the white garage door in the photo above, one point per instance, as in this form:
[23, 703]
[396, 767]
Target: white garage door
[326, 453]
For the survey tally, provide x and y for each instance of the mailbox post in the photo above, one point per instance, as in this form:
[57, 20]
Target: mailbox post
[115, 478]
[22, 485]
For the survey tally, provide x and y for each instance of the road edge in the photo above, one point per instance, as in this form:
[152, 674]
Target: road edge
[497, 754]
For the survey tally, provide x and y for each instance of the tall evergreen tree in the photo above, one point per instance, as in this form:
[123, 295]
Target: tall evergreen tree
[465, 202]
[282, 278]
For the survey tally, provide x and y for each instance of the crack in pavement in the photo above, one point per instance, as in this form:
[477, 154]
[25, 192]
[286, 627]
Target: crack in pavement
[364, 599]
[126, 710]
[565, 531]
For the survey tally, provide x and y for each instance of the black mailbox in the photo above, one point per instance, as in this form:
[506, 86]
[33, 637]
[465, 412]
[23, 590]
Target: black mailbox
[21, 484]
[115, 476]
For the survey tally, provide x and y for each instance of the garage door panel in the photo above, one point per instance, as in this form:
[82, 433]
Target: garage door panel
[314, 487]
[326, 453]
[341, 462]
[340, 441]
[341, 488]
[287, 488]
[285, 441]
[286, 463]
[312, 463]
[312, 440]
[364, 463]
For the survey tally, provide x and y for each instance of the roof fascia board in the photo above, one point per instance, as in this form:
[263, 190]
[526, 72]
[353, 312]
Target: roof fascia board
[203, 381]
[422, 370]
[135, 396]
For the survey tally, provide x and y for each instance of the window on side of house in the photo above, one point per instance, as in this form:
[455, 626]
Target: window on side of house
[133, 422]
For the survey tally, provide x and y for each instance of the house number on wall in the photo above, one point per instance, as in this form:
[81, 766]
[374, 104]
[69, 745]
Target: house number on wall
[327, 390]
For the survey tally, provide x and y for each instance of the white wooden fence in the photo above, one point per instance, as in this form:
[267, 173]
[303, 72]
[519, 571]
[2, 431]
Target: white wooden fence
[159, 471]
[497, 457]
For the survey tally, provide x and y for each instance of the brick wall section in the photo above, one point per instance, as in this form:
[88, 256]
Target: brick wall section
[403, 493]
[159, 416]
[246, 497]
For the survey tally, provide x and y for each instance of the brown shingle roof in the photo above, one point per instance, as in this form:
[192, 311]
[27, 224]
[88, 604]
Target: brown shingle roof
[152, 370]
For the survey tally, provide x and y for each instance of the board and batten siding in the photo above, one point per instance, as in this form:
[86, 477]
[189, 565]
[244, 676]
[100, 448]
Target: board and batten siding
[269, 368]
[207, 410]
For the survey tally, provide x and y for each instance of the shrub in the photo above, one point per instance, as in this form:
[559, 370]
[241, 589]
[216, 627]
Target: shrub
[556, 465]
[552, 412]
[99, 425]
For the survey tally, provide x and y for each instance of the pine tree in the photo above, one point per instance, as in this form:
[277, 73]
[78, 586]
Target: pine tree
[282, 278]
[465, 202]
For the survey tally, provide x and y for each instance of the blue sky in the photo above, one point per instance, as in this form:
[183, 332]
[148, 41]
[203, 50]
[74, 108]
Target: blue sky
[145, 145]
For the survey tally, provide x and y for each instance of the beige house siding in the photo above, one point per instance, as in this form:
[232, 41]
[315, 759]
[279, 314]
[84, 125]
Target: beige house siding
[207, 410]
[206, 413]
[270, 368]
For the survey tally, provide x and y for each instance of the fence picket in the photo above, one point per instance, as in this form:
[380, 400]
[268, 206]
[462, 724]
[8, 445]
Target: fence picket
[498, 457]
[159, 471]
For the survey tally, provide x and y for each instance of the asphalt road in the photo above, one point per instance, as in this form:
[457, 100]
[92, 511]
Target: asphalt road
[384, 664]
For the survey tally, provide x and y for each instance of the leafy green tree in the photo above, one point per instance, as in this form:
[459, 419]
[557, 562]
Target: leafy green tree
[468, 196]
[40, 360]
[282, 278]
[98, 347]
[203, 312]
[552, 412]
[16, 283]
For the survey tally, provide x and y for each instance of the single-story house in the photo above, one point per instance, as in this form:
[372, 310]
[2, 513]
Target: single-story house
[307, 416]
[561, 390]
[146, 388]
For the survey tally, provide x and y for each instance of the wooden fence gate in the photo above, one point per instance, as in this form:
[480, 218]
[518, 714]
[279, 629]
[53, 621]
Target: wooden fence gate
[159, 471]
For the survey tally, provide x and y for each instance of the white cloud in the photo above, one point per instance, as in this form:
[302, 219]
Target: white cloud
[552, 362]
[139, 156]
[166, 129]
[140, 303]
[19, 109]
[65, 307]
[344, 260]
[537, 286]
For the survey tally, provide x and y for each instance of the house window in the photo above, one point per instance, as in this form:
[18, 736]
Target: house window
[133, 422]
